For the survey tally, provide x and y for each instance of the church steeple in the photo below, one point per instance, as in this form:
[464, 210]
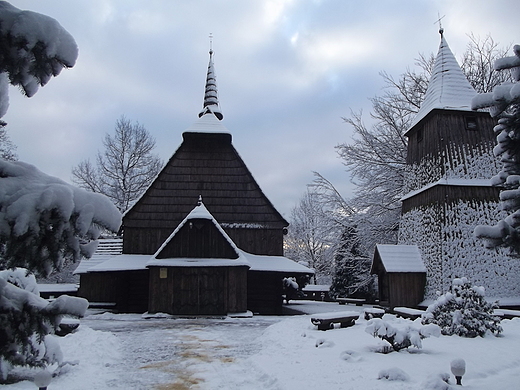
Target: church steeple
[211, 105]
[448, 87]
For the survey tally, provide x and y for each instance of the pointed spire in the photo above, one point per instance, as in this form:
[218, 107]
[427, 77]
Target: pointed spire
[211, 105]
[448, 87]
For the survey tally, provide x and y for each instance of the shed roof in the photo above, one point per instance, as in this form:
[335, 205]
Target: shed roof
[398, 258]
[448, 87]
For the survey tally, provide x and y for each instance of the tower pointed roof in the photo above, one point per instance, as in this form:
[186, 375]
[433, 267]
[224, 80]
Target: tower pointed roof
[448, 87]
[211, 105]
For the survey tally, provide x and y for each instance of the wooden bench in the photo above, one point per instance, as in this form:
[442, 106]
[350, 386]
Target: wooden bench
[356, 301]
[408, 312]
[326, 321]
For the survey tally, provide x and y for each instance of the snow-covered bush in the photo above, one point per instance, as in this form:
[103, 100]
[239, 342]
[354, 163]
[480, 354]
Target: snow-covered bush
[464, 311]
[403, 335]
[393, 374]
[28, 321]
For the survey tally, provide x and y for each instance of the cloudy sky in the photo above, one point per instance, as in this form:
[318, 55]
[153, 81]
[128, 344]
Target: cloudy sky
[287, 71]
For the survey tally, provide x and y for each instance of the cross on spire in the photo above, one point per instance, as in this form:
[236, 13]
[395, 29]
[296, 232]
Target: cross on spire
[441, 30]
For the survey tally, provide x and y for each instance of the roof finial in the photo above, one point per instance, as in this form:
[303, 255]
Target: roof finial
[441, 30]
[211, 105]
[200, 200]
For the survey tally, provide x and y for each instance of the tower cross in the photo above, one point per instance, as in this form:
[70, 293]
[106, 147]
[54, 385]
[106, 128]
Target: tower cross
[441, 30]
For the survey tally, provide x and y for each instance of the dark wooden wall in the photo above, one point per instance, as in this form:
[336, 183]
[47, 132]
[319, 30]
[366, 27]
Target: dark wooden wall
[405, 288]
[442, 129]
[257, 241]
[264, 292]
[198, 238]
[198, 290]
[127, 289]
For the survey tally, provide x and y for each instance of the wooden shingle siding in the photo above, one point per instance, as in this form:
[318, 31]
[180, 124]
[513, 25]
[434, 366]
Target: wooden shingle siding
[198, 238]
[406, 288]
[443, 194]
[446, 128]
[205, 165]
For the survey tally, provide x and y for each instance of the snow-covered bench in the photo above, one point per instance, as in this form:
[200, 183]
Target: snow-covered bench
[507, 314]
[326, 321]
[408, 312]
[67, 325]
[356, 301]
[373, 312]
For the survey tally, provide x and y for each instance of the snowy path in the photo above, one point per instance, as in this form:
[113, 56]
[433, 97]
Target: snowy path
[158, 353]
[271, 353]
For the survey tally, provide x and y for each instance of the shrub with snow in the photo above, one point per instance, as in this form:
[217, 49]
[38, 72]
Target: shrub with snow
[28, 321]
[463, 311]
[393, 374]
[401, 336]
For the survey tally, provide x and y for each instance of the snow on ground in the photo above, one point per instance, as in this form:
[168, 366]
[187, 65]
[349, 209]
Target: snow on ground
[129, 352]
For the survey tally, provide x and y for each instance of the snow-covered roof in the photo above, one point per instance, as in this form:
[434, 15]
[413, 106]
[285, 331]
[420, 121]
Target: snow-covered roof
[199, 212]
[207, 124]
[197, 262]
[316, 287]
[400, 258]
[448, 88]
[125, 262]
[275, 264]
[460, 182]
[57, 287]
[86, 264]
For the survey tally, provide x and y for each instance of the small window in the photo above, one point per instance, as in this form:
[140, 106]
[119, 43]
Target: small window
[419, 135]
[471, 123]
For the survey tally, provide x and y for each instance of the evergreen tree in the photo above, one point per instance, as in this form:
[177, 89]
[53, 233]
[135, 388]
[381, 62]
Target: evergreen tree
[504, 103]
[351, 275]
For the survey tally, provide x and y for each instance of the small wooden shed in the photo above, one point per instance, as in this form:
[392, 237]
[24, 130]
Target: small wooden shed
[401, 275]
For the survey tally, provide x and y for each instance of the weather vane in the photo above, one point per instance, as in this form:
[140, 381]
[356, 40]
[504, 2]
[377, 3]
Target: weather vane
[441, 30]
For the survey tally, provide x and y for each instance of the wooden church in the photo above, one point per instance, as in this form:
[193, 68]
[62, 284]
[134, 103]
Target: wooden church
[450, 163]
[203, 238]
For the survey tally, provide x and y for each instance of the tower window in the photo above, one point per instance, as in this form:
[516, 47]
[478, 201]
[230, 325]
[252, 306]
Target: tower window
[470, 122]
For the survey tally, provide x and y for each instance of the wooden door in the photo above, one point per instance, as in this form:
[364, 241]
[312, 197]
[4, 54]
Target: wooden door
[199, 291]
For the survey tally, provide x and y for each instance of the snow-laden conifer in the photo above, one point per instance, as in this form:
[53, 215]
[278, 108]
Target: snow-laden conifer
[504, 103]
